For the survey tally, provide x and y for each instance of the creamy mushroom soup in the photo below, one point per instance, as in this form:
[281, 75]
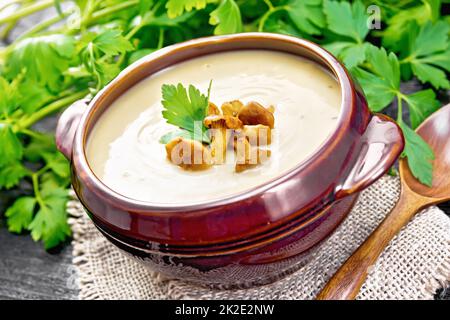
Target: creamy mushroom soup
[124, 151]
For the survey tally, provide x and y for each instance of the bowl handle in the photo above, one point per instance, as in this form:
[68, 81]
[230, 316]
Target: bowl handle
[381, 145]
[68, 125]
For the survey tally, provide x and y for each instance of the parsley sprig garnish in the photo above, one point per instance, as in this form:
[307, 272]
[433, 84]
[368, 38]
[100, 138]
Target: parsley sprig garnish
[186, 109]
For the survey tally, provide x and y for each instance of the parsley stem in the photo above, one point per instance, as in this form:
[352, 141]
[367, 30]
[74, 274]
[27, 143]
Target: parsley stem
[42, 170]
[33, 134]
[121, 59]
[10, 3]
[161, 38]
[7, 29]
[266, 16]
[35, 180]
[93, 17]
[141, 23]
[399, 109]
[97, 15]
[42, 26]
[37, 192]
[86, 15]
[110, 10]
[35, 7]
[407, 59]
[49, 109]
[92, 57]
[269, 4]
[133, 31]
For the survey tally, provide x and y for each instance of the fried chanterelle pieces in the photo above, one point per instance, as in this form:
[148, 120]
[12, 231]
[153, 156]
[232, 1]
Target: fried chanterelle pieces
[188, 154]
[235, 126]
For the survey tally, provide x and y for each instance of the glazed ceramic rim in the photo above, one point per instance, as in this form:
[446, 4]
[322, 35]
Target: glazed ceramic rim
[348, 102]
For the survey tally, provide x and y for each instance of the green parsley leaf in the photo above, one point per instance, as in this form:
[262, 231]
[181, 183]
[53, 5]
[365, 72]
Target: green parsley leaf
[33, 96]
[50, 222]
[428, 50]
[44, 59]
[347, 20]
[11, 174]
[144, 6]
[421, 105]
[135, 56]
[226, 18]
[164, 20]
[279, 25]
[107, 71]
[44, 148]
[182, 109]
[382, 83]
[50, 181]
[20, 214]
[10, 145]
[111, 42]
[307, 15]
[44, 143]
[98, 51]
[8, 97]
[439, 59]
[351, 54]
[398, 24]
[419, 155]
[57, 163]
[23, 93]
[376, 89]
[350, 23]
[176, 8]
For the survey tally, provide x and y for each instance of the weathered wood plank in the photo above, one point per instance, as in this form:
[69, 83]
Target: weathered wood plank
[29, 272]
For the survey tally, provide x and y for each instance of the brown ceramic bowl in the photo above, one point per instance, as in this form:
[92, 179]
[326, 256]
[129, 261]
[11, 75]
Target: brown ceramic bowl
[256, 236]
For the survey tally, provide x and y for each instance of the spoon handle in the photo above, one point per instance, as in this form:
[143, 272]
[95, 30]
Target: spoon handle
[347, 281]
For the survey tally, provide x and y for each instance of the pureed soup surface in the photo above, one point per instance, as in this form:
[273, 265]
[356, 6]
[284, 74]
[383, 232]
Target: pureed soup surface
[124, 151]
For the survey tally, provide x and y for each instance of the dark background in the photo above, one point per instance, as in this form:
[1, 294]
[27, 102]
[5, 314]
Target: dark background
[27, 271]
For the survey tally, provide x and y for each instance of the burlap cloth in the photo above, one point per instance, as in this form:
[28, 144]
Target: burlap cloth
[414, 266]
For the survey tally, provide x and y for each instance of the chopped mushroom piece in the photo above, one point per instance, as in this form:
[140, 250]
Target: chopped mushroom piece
[218, 134]
[257, 135]
[212, 109]
[222, 121]
[188, 154]
[253, 113]
[232, 108]
[247, 156]
[218, 126]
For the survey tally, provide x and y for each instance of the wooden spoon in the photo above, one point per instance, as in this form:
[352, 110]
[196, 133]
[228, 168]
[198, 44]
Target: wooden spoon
[414, 196]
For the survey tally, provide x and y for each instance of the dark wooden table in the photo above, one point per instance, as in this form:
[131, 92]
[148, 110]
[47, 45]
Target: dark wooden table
[27, 271]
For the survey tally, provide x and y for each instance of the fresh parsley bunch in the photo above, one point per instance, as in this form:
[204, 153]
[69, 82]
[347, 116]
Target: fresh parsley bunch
[74, 53]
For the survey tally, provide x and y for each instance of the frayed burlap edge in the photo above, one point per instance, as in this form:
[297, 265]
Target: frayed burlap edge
[86, 279]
